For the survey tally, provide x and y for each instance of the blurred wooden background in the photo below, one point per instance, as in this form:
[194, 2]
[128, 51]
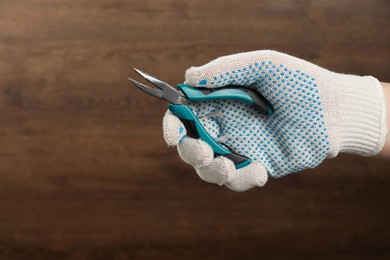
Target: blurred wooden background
[84, 171]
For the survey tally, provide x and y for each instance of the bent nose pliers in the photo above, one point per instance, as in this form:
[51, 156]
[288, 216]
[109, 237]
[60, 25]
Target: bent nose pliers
[194, 128]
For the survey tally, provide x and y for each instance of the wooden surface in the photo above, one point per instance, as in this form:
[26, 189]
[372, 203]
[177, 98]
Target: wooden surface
[84, 172]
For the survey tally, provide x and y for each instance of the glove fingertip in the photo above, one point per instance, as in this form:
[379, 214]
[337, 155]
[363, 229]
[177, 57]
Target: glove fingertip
[195, 152]
[193, 77]
[220, 171]
[248, 177]
[173, 129]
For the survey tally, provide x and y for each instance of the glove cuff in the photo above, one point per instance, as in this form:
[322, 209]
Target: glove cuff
[361, 121]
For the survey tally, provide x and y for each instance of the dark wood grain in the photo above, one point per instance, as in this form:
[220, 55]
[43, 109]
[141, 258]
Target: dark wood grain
[84, 172]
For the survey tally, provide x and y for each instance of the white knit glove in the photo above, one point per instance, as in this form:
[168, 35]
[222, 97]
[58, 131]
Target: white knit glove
[317, 114]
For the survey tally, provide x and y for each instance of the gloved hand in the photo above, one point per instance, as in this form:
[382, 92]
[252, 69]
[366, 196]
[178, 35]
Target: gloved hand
[317, 114]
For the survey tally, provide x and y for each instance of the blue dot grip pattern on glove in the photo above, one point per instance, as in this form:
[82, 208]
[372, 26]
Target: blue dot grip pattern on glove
[292, 139]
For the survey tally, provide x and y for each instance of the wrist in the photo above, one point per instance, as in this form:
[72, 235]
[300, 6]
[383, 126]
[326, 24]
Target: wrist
[386, 148]
[360, 124]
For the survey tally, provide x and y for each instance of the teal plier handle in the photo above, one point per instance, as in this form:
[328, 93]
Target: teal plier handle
[196, 130]
[246, 95]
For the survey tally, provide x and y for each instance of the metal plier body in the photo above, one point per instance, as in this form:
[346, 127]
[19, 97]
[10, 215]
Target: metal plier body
[194, 128]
